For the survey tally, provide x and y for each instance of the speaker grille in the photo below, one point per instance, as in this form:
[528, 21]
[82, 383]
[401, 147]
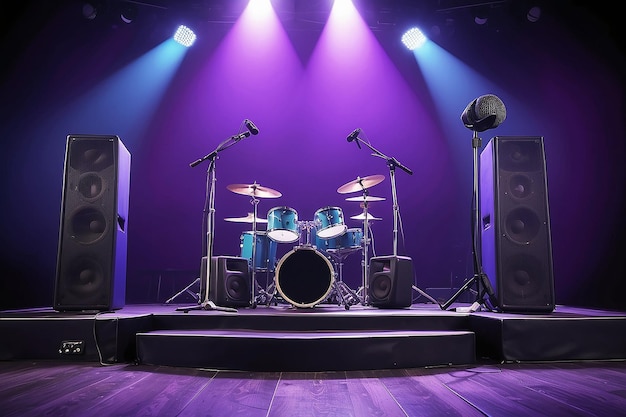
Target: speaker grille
[390, 281]
[91, 259]
[229, 281]
[515, 238]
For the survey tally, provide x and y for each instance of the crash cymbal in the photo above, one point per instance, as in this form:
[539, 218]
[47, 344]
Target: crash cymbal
[362, 217]
[248, 219]
[254, 190]
[360, 184]
[365, 198]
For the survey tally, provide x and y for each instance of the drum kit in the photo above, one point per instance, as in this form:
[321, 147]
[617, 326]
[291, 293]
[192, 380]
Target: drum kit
[312, 272]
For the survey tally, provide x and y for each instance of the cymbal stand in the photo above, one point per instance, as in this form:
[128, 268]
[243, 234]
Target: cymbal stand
[392, 163]
[209, 223]
[365, 261]
[255, 202]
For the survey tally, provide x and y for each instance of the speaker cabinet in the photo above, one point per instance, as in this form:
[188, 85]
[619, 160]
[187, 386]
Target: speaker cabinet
[230, 282]
[515, 232]
[91, 257]
[390, 281]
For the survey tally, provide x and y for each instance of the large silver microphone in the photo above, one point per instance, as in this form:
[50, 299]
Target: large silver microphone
[485, 112]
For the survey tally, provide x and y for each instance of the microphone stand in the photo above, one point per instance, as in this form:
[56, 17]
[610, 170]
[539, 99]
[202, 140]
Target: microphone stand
[483, 286]
[209, 223]
[392, 163]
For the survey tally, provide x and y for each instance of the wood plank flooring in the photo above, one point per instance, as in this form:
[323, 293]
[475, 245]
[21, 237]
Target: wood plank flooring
[29, 388]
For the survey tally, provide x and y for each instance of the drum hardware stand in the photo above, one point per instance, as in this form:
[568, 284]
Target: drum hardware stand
[392, 163]
[365, 261]
[347, 296]
[308, 225]
[209, 223]
[255, 202]
[480, 279]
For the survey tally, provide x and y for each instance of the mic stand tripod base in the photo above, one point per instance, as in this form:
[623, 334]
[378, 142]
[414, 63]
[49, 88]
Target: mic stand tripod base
[476, 306]
[207, 305]
[186, 289]
[476, 279]
[418, 290]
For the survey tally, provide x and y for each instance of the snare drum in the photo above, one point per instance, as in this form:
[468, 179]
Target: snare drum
[282, 225]
[304, 277]
[330, 222]
[265, 251]
[349, 241]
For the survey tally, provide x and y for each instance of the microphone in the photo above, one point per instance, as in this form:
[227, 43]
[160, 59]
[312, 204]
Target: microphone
[251, 127]
[355, 136]
[485, 112]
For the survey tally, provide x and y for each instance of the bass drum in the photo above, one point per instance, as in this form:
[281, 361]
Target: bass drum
[304, 277]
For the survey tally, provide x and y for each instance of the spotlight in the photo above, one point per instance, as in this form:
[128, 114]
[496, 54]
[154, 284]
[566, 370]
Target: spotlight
[128, 13]
[184, 36]
[534, 14]
[413, 38]
[481, 15]
[90, 10]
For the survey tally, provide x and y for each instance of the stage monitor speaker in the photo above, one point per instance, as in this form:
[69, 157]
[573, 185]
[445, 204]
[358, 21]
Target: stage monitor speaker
[515, 232]
[91, 257]
[390, 281]
[229, 281]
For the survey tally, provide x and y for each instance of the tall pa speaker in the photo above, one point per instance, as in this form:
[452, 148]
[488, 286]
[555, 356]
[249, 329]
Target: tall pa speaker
[515, 232]
[390, 281]
[91, 258]
[229, 281]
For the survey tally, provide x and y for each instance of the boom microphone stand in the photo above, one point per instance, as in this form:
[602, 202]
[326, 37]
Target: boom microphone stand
[392, 163]
[209, 223]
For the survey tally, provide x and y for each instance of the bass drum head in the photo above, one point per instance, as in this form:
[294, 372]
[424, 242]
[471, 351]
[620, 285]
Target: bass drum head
[304, 277]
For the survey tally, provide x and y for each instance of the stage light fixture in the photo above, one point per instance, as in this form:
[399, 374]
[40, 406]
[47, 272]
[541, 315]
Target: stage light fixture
[413, 38]
[534, 14]
[184, 36]
[481, 15]
[128, 13]
[90, 10]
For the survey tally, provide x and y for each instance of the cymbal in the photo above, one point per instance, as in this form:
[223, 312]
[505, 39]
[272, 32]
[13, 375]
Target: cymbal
[362, 217]
[254, 190]
[365, 198]
[360, 184]
[248, 219]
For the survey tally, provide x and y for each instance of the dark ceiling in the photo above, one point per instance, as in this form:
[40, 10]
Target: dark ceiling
[379, 14]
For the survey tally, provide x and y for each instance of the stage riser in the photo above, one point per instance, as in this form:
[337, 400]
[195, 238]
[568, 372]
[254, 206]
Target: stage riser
[106, 340]
[567, 334]
[550, 339]
[311, 321]
[305, 352]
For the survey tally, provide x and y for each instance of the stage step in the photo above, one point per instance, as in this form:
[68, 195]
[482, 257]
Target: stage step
[315, 351]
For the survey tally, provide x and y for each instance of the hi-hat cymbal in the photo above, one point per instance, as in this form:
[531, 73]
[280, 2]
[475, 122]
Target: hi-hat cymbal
[365, 198]
[248, 219]
[360, 184]
[362, 217]
[254, 190]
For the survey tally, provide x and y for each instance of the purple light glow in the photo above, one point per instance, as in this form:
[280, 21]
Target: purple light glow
[308, 75]
[304, 112]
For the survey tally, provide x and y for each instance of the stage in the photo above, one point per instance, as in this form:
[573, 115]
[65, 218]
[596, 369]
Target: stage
[326, 337]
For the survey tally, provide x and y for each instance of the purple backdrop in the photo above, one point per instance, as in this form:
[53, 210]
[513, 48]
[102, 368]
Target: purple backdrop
[306, 90]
